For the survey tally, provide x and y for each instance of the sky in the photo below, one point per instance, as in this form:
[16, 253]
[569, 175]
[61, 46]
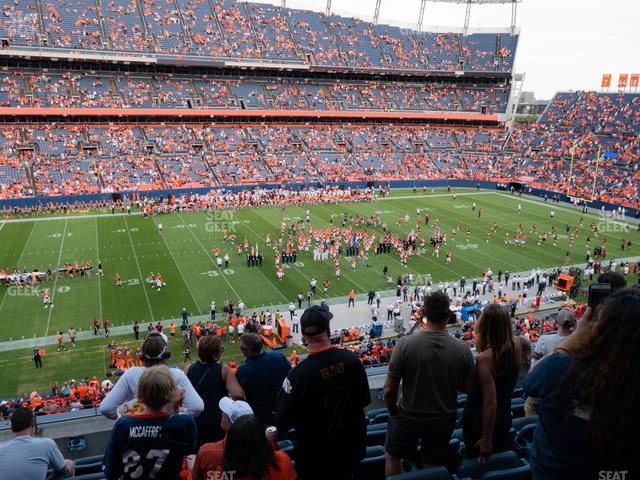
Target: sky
[564, 44]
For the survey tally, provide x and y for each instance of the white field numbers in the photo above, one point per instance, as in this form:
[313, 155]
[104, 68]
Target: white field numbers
[216, 273]
[134, 466]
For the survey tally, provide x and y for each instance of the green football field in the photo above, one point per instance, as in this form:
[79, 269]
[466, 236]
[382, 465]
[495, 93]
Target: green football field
[90, 357]
[132, 246]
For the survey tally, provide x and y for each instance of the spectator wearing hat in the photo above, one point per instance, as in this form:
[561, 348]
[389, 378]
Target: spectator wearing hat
[210, 455]
[155, 351]
[26, 457]
[261, 376]
[324, 399]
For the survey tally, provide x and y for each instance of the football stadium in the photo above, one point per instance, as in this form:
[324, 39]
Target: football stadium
[245, 240]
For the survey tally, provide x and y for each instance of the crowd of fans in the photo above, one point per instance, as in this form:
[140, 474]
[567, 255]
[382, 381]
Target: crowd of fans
[57, 159]
[218, 417]
[34, 88]
[230, 29]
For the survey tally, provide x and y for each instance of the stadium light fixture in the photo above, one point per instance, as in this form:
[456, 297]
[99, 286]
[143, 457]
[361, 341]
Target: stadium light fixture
[376, 14]
[468, 3]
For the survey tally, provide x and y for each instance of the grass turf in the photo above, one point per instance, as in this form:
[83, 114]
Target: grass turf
[88, 358]
[132, 246]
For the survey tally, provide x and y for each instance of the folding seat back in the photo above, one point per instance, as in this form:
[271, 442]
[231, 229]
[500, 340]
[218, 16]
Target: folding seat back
[475, 469]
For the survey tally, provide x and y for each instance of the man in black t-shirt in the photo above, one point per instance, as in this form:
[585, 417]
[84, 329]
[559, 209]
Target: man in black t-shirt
[37, 358]
[324, 399]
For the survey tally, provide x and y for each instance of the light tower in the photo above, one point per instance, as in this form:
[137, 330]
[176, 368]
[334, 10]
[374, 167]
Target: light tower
[376, 14]
[467, 13]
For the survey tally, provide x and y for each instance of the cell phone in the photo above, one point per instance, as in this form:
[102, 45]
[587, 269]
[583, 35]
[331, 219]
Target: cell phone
[597, 293]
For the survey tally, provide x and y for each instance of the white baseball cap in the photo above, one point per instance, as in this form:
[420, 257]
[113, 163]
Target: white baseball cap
[234, 409]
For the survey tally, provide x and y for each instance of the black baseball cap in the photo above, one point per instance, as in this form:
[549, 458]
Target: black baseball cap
[316, 319]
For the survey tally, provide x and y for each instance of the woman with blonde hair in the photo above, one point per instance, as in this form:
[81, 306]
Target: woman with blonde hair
[486, 420]
[155, 351]
[150, 441]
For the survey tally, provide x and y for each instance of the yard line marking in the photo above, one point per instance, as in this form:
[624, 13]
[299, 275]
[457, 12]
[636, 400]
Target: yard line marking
[55, 281]
[97, 274]
[208, 254]
[139, 270]
[181, 274]
[2, 225]
[262, 273]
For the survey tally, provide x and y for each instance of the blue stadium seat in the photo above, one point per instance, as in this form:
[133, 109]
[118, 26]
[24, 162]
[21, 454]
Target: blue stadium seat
[380, 418]
[434, 473]
[377, 426]
[87, 465]
[518, 473]
[519, 423]
[287, 447]
[517, 407]
[475, 469]
[89, 476]
[371, 414]
[374, 451]
[453, 455]
[376, 437]
[371, 468]
[523, 440]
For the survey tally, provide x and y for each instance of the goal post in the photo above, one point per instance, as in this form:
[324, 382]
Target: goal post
[594, 184]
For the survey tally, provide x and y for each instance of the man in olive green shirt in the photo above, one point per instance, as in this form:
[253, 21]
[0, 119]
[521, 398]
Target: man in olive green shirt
[426, 372]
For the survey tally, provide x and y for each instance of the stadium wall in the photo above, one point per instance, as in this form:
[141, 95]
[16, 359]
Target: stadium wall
[485, 185]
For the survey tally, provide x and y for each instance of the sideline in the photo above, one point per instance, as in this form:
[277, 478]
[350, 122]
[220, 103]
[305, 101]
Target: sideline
[284, 308]
[119, 214]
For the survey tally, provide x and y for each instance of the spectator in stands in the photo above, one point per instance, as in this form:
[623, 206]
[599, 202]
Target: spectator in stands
[5, 409]
[432, 366]
[251, 455]
[213, 381]
[487, 414]
[615, 279]
[150, 441]
[588, 415]
[25, 457]
[324, 399]
[155, 351]
[210, 455]
[261, 376]
[547, 344]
